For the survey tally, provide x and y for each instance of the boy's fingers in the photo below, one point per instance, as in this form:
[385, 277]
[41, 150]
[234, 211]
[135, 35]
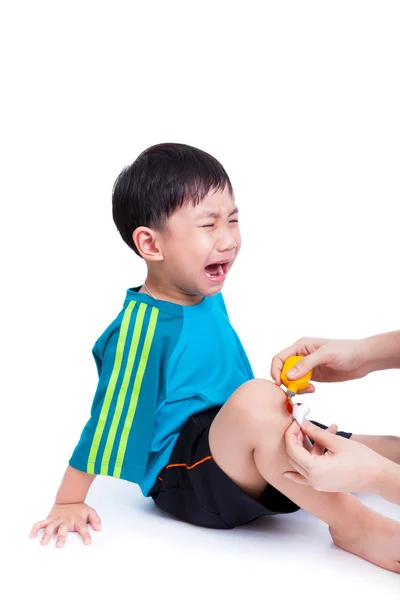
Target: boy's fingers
[38, 526]
[48, 532]
[319, 449]
[94, 520]
[320, 436]
[61, 535]
[296, 477]
[83, 531]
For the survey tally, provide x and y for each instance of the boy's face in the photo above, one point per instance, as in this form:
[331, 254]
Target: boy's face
[200, 244]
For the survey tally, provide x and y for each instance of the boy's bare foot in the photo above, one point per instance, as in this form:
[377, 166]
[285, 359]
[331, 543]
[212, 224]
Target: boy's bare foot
[374, 538]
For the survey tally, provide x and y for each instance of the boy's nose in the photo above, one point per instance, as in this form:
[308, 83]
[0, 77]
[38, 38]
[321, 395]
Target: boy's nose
[227, 242]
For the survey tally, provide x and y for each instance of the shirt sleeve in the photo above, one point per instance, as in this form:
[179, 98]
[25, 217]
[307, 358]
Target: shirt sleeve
[116, 439]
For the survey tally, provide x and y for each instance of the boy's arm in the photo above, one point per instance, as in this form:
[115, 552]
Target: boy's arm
[117, 437]
[74, 486]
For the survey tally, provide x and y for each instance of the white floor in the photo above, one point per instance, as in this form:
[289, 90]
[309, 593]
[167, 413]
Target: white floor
[141, 550]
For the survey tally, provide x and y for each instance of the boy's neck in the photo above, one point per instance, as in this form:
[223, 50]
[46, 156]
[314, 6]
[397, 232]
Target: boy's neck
[161, 290]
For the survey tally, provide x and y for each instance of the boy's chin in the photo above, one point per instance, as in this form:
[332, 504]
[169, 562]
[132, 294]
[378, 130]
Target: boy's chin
[212, 290]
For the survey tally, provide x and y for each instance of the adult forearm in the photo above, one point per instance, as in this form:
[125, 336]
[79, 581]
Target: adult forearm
[383, 351]
[387, 482]
[74, 486]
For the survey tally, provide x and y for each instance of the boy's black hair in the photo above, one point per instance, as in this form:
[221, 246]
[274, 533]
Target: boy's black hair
[161, 180]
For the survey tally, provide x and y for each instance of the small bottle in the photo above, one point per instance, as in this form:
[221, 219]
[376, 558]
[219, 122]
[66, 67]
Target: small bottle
[298, 410]
[295, 385]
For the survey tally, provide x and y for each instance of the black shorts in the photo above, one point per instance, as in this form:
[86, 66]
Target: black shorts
[193, 488]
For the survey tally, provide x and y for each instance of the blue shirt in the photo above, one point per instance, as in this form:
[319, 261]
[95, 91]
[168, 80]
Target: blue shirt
[158, 364]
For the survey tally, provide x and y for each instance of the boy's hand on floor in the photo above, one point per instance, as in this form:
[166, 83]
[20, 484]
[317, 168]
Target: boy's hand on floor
[64, 518]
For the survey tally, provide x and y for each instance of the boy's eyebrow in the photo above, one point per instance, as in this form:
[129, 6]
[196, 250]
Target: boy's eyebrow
[216, 215]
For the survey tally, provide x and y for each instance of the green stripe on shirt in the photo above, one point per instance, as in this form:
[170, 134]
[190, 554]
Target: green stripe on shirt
[136, 392]
[122, 392]
[110, 388]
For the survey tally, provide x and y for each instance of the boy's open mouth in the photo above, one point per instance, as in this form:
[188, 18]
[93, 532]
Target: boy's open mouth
[217, 271]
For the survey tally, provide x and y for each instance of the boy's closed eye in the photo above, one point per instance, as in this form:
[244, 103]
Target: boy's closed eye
[212, 224]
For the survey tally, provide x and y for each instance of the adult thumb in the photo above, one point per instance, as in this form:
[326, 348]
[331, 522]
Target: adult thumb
[306, 364]
[324, 438]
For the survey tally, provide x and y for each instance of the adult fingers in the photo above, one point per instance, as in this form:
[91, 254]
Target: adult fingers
[309, 390]
[316, 358]
[278, 361]
[298, 468]
[307, 443]
[319, 449]
[295, 434]
[295, 449]
[296, 477]
[321, 436]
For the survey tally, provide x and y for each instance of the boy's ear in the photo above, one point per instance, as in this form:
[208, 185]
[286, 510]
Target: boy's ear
[148, 244]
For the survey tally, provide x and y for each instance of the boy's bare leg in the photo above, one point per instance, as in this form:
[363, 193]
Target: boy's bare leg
[247, 442]
[386, 445]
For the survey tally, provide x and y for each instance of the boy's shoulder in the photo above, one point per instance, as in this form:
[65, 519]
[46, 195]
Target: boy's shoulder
[141, 314]
[140, 319]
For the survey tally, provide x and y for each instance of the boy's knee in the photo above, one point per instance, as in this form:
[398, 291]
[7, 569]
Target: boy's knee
[260, 402]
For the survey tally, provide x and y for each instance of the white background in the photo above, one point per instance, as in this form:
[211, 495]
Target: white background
[300, 102]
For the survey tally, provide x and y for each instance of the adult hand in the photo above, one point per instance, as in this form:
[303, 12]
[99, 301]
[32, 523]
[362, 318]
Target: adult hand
[347, 466]
[330, 360]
